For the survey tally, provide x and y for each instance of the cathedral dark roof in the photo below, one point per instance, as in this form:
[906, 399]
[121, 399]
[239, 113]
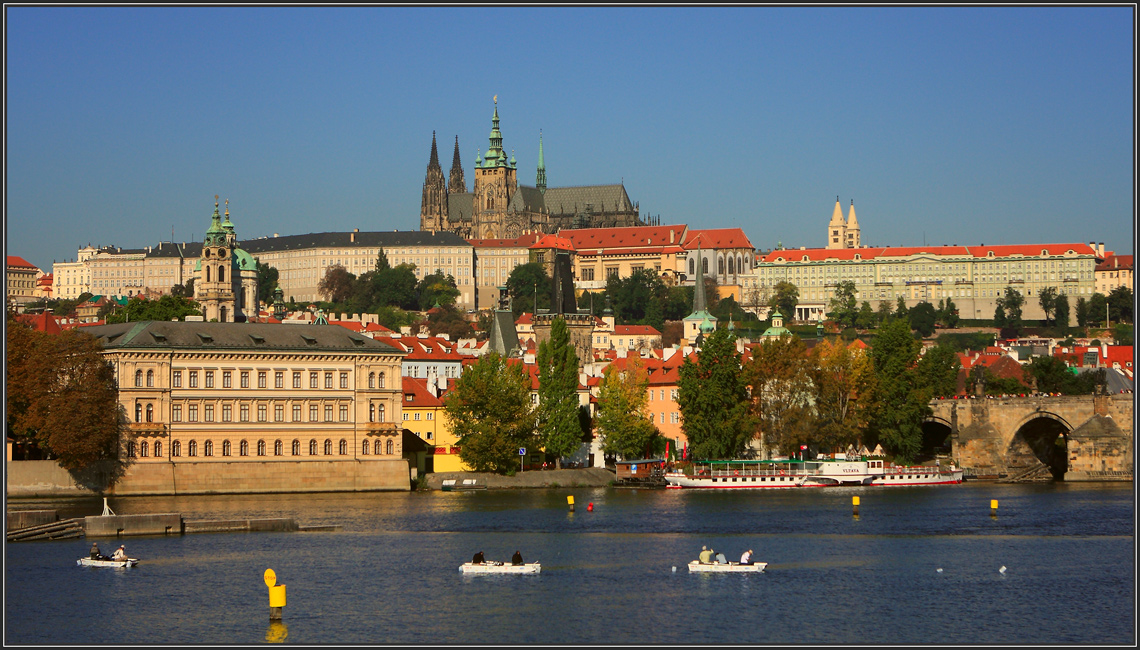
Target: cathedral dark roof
[460, 206]
[571, 200]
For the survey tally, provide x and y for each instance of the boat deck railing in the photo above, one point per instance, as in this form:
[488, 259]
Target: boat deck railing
[800, 471]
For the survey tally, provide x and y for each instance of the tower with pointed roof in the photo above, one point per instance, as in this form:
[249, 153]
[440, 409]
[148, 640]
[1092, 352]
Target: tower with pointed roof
[456, 183]
[226, 283]
[540, 181]
[494, 185]
[852, 228]
[700, 323]
[837, 228]
[433, 207]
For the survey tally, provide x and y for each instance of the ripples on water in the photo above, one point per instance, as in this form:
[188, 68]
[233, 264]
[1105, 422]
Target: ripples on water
[391, 575]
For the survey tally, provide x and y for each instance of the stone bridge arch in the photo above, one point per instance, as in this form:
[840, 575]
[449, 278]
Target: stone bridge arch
[1091, 436]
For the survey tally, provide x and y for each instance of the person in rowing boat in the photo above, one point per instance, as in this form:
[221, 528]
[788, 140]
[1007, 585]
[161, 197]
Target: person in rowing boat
[516, 559]
[706, 555]
[120, 554]
[95, 551]
[478, 559]
[721, 559]
[747, 557]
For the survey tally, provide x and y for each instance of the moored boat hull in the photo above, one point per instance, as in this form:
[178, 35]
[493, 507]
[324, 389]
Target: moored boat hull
[114, 564]
[488, 567]
[732, 567]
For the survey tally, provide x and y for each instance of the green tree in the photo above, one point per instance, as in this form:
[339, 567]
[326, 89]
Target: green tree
[267, 277]
[1097, 309]
[937, 371]
[901, 407]
[948, 313]
[785, 297]
[632, 297]
[382, 262]
[843, 307]
[1047, 298]
[1122, 334]
[622, 418]
[558, 422]
[884, 312]
[336, 285]
[448, 320]
[437, 288]
[526, 281]
[180, 290]
[1009, 307]
[844, 380]
[865, 320]
[167, 307]
[1120, 304]
[1082, 312]
[490, 412]
[62, 397]
[1061, 311]
[922, 318]
[901, 310]
[714, 401]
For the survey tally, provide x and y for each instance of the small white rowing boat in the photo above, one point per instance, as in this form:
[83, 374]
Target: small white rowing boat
[499, 567]
[732, 567]
[118, 564]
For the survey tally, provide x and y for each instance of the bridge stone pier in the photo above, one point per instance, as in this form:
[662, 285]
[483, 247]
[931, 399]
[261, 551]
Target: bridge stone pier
[1078, 438]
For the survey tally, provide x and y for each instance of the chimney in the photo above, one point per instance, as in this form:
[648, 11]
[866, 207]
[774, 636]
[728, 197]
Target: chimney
[1100, 249]
[670, 236]
[352, 235]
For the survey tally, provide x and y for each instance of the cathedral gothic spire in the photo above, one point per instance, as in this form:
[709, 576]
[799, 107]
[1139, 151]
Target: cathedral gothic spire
[540, 182]
[456, 183]
[433, 207]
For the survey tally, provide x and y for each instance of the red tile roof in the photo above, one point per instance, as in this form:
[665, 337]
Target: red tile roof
[1115, 262]
[717, 238]
[846, 254]
[553, 241]
[16, 260]
[634, 237]
[523, 241]
[634, 330]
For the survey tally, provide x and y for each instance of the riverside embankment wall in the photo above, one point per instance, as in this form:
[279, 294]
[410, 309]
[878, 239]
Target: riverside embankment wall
[45, 478]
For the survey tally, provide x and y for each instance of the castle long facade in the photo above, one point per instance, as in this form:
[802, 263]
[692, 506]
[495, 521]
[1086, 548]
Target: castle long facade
[497, 207]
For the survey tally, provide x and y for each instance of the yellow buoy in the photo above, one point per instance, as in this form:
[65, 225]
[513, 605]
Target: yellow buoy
[277, 596]
[570, 502]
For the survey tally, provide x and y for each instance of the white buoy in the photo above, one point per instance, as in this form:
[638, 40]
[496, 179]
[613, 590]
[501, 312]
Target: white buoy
[1002, 570]
[674, 569]
[940, 569]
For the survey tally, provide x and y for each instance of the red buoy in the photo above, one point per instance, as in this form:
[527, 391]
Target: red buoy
[590, 508]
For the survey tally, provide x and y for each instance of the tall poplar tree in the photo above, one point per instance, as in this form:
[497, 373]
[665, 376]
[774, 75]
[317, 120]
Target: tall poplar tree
[559, 427]
[900, 409]
[713, 400]
[844, 380]
[782, 392]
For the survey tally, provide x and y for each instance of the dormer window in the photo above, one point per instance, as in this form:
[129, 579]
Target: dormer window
[206, 338]
[260, 340]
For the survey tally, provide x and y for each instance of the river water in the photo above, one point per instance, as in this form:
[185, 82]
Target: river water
[391, 575]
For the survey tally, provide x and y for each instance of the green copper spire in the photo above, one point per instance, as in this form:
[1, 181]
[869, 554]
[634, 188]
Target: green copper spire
[216, 235]
[228, 225]
[540, 182]
[495, 156]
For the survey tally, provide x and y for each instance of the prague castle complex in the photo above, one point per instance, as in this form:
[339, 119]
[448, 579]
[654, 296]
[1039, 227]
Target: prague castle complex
[497, 207]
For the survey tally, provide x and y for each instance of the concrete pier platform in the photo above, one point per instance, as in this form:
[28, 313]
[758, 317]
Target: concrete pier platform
[127, 525]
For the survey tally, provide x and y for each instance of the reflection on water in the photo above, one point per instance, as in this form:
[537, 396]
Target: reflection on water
[391, 575]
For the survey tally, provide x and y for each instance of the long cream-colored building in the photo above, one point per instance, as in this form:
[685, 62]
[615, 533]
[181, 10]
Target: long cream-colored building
[200, 393]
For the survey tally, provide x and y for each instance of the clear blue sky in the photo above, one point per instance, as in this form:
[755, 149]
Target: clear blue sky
[957, 125]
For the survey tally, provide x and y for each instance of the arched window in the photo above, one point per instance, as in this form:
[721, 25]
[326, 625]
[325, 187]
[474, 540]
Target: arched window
[208, 447]
[243, 448]
[278, 448]
[704, 265]
[371, 412]
[296, 447]
[207, 274]
[227, 448]
[312, 447]
[720, 265]
[150, 412]
[731, 265]
[144, 449]
[138, 378]
[328, 447]
[380, 413]
[192, 448]
[692, 266]
[381, 382]
[343, 447]
[221, 274]
[377, 447]
[150, 379]
[260, 447]
[138, 412]
[389, 447]
[372, 380]
[158, 449]
[364, 448]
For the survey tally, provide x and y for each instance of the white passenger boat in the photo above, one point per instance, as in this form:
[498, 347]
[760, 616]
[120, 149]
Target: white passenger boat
[500, 567]
[731, 567]
[117, 564]
[760, 474]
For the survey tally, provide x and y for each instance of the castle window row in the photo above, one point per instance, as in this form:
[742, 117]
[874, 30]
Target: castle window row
[145, 449]
[331, 379]
[317, 412]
